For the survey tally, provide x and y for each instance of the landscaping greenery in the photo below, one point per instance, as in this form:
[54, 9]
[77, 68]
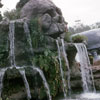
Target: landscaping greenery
[48, 62]
[67, 37]
[79, 38]
[37, 36]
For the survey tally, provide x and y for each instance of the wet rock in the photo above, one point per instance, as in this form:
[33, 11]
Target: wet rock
[4, 44]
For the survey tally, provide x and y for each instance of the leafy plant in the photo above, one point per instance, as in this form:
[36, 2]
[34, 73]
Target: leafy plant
[49, 63]
[37, 36]
[79, 38]
[67, 37]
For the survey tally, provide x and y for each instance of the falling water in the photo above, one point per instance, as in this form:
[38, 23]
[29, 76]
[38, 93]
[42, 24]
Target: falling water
[86, 70]
[44, 81]
[2, 72]
[11, 39]
[61, 70]
[26, 30]
[67, 63]
[22, 72]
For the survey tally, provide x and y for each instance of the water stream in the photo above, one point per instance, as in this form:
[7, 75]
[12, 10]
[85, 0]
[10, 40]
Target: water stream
[67, 64]
[12, 55]
[44, 81]
[27, 32]
[86, 70]
[22, 72]
[2, 72]
[61, 71]
[11, 39]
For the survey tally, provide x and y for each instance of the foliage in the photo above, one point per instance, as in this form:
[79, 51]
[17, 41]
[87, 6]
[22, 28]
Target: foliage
[49, 63]
[67, 37]
[37, 36]
[13, 14]
[79, 38]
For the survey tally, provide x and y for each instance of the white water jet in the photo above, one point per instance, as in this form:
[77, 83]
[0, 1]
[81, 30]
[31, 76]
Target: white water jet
[27, 32]
[67, 64]
[22, 72]
[44, 81]
[11, 39]
[61, 71]
[2, 72]
[86, 70]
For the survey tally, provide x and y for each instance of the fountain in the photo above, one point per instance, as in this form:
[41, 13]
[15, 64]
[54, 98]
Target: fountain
[61, 71]
[86, 70]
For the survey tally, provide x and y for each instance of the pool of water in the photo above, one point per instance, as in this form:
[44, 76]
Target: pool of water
[83, 96]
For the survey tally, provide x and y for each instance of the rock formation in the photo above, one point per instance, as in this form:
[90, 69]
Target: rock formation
[51, 19]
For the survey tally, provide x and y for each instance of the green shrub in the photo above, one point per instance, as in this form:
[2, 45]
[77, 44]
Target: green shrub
[37, 36]
[49, 64]
[79, 38]
[67, 37]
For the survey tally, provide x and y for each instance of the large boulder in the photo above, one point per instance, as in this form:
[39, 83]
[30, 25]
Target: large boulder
[51, 19]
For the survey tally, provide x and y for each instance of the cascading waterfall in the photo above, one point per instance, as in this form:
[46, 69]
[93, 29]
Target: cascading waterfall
[61, 70]
[44, 81]
[12, 56]
[11, 39]
[67, 64]
[2, 72]
[91, 73]
[27, 32]
[22, 72]
[86, 70]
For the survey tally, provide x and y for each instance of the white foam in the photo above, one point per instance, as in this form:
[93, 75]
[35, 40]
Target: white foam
[90, 95]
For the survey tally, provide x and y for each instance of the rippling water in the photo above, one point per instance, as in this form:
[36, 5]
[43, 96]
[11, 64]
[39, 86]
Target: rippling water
[83, 96]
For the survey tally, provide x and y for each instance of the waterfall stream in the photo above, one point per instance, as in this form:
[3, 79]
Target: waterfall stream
[67, 64]
[22, 72]
[44, 81]
[11, 39]
[27, 32]
[61, 71]
[2, 72]
[12, 55]
[86, 70]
